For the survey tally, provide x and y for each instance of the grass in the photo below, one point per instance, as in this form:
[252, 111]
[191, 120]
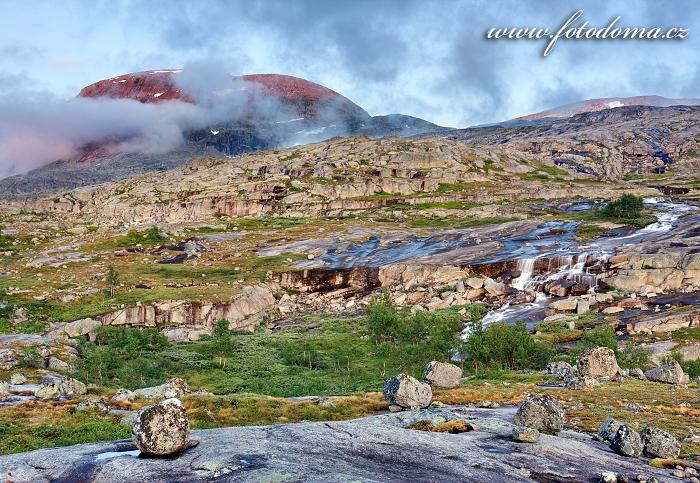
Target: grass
[589, 231]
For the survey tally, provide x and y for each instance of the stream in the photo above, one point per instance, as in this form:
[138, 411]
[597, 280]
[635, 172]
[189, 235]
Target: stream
[571, 261]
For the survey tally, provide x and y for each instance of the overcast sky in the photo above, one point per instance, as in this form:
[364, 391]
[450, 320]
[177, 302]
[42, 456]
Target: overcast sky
[423, 58]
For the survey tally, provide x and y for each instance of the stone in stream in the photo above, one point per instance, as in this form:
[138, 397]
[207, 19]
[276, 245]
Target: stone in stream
[670, 372]
[541, 412]
[659, 444]
[442, 374]
[161, 429]
[598, 362]
[627, 442]
[407, 392]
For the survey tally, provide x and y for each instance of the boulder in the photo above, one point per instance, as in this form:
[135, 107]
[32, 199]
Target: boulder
[93, 404]
[608, 430]
[475, 282]
[598, 362]
[48, 392]
[173, 388]
[123, 396]
[71, 388]
[565, 305]
[541, 412]
[442, 374]
[627, 442]
[161, 429]
[637, 373]
[407, 392]
[659, 443]
[494, 288]
[17, 379]
[574, 381]
[523, 434]
[669, 372]
[583, 306]
[561, 369]
[4, 389]
[80, 327]
[612, 310]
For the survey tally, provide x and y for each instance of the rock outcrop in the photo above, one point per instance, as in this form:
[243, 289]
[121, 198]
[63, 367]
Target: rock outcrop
[174, 388]
[310, 452]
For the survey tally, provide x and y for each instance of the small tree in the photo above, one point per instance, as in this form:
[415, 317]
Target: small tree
[626, 206]
[112, 280]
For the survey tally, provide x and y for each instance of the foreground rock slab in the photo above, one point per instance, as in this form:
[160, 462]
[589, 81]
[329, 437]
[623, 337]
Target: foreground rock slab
[376, 449]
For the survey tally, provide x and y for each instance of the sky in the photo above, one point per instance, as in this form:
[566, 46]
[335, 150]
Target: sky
[423, 58]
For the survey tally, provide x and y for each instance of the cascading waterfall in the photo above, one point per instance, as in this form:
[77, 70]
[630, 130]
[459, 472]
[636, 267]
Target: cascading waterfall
[526, 267]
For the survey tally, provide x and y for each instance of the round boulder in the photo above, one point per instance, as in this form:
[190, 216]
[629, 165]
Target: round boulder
[407, 392]
[659, 444]
[161, 429]
[48, 392]
[442, 374]
[93, 404]
[598, 362]
[669, 372]
[627, 442]
[123, 396]
[541, 412]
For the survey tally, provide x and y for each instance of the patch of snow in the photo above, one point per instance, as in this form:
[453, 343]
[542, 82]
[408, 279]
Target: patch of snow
[158, 94]
[123, 80]
[290, 120]
[214, 132]
[173, 71]
[615, 104]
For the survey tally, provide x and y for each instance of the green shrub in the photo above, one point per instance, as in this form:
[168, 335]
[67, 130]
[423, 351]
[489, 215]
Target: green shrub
[627, 206]
[634, 356]
[506, 346]
[599, 337]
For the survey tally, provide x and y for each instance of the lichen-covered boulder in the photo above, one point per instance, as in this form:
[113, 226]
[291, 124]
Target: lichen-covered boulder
[627, 442]
[598, 362]
[608, 429]
[541, 412]
[580, 382]
[561, 369]
[669, 372]
[123, 396]
[71, 388]
[659, 444]
[48, 392]
[173, 388]
[442, 374]
[407, 392]
[17, 378]
[162, 428]
[93, 404]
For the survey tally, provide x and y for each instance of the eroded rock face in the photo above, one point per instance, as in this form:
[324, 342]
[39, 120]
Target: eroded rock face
[670, 373]
[627, 442]
[598, 362]
[442, 374]
[161, 429]
[407, 392]
[659, 444]
[541, 412]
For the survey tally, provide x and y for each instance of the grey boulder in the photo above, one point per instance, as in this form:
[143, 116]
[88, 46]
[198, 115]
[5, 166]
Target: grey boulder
[659, 444]
[669, 372]
[442, 374]
[627, 442]
[541, 412]
[407, 392]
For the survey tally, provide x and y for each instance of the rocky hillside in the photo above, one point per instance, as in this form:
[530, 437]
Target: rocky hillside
[594, 105]
[606, 144]
[262, 111]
